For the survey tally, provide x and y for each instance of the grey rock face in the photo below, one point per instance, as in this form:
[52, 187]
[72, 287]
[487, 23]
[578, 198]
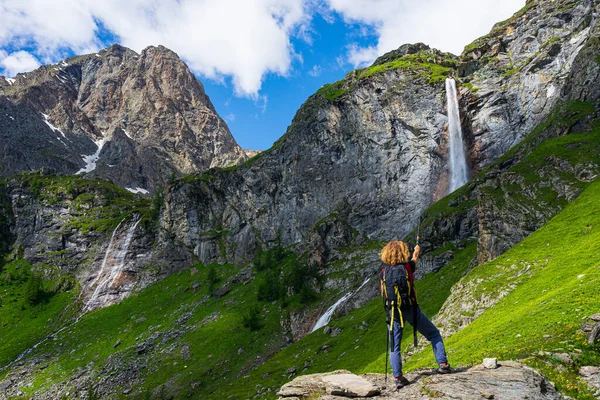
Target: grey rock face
[372, 160]
[522, 66]
[373, 154]
[145, 118]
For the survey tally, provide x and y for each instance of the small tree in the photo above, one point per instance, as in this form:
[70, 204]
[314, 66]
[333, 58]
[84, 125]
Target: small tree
[251, 319]
[33, 289]
[212, 278]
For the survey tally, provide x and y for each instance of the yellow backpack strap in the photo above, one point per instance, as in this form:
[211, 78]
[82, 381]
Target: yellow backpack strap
[399, 305]
[392, 318]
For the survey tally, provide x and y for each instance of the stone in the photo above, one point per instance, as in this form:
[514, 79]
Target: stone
[564, 357]
[117, 344]
[486, 395]
[222, 291]
[349, 385]
[490, 363]
[594, 336]
[591, 375]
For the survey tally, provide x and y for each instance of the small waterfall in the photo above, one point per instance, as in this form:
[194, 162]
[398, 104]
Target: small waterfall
[325, 318]
[111, 269]
[458, 161]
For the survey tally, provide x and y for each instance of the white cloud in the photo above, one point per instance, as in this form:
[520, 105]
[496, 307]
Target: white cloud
[230, 117]
[20, 61]
[241, 39]
[446, 25]
[315, 71]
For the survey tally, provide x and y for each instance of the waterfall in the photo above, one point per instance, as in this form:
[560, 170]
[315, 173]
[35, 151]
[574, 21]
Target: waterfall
[111, 269]
[458, 161]
[325, 318]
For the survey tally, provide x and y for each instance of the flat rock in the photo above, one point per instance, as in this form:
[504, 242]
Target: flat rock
[349, 385]
[510, 381]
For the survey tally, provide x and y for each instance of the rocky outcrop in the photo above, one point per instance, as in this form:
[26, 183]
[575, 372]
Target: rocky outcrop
[514, 76]
[510, 380]
[86, 229]
[134, 119]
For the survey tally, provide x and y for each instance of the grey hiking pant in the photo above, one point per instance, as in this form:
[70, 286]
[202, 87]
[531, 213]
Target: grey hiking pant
[426, 328]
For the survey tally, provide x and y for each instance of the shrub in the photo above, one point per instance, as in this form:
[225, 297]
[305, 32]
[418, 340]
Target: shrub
[33, 290]
[251, 319]
[212, 278]
[271, 288]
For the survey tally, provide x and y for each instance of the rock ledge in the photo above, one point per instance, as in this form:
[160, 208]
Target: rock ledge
[510, 380]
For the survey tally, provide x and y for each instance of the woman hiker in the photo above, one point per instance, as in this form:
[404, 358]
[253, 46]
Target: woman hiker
[399, 295]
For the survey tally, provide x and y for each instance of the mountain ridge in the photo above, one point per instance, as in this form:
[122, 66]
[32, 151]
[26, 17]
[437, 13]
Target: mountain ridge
[148, 109]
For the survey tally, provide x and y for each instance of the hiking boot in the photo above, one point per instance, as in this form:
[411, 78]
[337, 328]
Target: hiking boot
[444, 369]
[401, 382]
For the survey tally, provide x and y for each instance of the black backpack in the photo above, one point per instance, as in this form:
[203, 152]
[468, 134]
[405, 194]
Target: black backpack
[397, 293]
[398, 290]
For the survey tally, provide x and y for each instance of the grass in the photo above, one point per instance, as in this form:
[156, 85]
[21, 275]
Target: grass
[23, 325]
[558, 291]
[96, 205]
[420, 65]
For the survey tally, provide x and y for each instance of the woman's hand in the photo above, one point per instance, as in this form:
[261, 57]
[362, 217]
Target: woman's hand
[416, 252]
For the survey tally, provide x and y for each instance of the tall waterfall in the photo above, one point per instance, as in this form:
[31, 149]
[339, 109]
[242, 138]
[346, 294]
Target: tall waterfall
[106, 284]
[325, 318]
[458, 161]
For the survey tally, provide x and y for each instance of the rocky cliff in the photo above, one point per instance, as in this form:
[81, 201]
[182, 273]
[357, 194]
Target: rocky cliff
[133, 119]
[370, 151]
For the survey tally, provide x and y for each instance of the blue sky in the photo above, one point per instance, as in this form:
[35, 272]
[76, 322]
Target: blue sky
[259, 60]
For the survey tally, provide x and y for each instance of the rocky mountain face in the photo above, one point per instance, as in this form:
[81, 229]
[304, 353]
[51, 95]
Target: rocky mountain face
[135, 120]
[361, 161]
[368, 154]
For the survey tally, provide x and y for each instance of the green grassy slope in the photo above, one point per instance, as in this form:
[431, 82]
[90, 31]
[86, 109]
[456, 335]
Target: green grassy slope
[558, 291]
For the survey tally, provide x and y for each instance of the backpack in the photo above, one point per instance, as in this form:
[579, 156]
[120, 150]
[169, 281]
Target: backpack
[398, 291]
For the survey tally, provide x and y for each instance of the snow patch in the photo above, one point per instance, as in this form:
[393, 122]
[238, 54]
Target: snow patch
[92, 159]
[551, 91]
[138, 190]
[97, 55]
[10, 81]
[54, 129]
[10, 116]
[127, 133]
[64, 63]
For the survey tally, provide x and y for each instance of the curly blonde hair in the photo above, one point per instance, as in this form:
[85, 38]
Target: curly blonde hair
[395, 252]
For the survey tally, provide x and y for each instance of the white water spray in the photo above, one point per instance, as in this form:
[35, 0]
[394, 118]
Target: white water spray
[325, 318]
[458, 161]
[111, 268]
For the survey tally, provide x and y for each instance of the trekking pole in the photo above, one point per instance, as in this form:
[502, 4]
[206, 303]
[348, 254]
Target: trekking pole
[387, 349]
[418, 231]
